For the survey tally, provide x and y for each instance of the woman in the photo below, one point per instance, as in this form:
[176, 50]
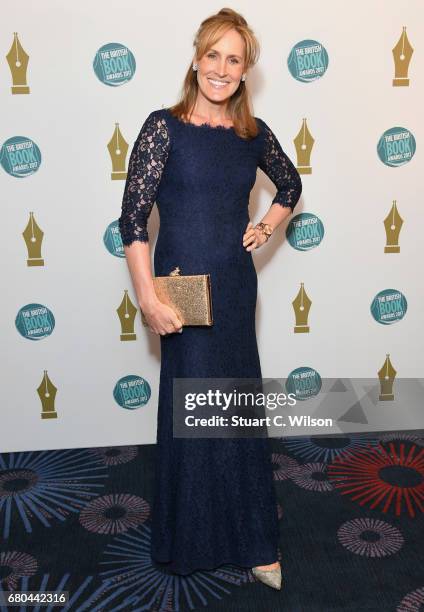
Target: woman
[214, 500]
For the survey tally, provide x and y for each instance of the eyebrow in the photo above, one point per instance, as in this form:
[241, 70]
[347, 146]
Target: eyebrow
[232, 55]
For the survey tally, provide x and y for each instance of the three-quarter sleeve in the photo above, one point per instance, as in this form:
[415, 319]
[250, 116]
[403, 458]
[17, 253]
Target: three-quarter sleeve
[280, 169]
[147, 161]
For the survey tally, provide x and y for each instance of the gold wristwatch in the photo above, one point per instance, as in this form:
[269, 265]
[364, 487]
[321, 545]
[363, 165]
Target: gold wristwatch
[265, 229]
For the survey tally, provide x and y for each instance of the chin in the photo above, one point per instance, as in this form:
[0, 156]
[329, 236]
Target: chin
[218, 99]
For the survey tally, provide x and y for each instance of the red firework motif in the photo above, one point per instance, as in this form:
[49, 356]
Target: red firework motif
[376, 476]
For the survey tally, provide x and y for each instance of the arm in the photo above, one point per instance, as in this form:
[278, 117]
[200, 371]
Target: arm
[145, 168]
[147, 161]
[282, 172]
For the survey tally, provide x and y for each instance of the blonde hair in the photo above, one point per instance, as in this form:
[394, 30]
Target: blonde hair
[209, 32]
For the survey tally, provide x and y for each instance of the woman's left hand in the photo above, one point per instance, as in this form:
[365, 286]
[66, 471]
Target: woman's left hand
[252, 237]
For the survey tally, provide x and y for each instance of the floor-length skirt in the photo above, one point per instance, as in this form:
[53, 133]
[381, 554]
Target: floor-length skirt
[214, 498]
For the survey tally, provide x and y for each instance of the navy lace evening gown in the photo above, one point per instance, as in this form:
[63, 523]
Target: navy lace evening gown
[214, 499]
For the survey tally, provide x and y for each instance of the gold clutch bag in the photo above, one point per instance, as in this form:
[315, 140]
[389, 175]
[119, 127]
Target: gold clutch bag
[188, 295]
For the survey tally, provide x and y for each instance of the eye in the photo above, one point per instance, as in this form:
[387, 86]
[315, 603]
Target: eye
[235, 60]
[211, 54]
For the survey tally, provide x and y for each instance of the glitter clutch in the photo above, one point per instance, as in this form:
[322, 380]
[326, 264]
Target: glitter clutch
[188, 295]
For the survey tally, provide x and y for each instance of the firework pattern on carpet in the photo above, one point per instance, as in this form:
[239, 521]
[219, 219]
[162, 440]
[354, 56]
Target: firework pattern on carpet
[114, 513]
[352, 508]
[46, 486]
[384, 476]
[370, 537]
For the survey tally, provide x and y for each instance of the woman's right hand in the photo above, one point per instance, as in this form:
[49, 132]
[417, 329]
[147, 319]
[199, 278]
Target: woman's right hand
[162, 319]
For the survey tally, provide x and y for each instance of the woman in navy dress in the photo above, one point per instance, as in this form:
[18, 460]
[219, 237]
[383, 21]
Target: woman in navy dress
[214, 499]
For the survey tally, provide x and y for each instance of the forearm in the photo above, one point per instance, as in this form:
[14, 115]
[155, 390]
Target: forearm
[276, 215]
[139, 265]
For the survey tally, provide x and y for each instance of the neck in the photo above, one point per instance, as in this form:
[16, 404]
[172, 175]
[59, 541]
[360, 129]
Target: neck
[209, 111]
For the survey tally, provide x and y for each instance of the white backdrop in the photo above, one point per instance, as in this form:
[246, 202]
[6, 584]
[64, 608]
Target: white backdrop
[70, 114]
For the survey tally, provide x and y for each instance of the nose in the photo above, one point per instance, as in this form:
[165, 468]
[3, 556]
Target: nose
[222, 71]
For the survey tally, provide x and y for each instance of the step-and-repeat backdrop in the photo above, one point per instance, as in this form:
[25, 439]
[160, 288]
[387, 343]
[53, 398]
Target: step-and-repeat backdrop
[340, 283]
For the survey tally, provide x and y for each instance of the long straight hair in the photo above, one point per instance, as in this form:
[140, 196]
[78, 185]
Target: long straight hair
[209, 32]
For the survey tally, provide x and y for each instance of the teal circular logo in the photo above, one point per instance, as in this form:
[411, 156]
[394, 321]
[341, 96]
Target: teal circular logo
[35, 321]
[396, 146]
[305, 231]
[389, 306]
[307, 61]
[20, 156]
[304, 383]
[112, 239]
[114, 64]
[131, 392]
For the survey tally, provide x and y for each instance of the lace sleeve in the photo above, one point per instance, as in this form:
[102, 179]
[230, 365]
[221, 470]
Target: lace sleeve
[280, 169]
[147, 161]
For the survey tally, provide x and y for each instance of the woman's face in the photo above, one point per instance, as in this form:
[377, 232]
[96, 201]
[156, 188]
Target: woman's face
[220, 69]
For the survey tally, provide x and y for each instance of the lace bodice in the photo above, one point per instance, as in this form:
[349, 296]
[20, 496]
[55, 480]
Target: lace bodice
[149, 157]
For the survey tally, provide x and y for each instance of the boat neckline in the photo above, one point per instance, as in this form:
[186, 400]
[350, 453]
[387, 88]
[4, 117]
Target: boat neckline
[205, 124]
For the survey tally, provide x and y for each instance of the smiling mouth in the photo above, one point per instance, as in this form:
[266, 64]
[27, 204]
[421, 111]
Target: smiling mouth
[217, 84]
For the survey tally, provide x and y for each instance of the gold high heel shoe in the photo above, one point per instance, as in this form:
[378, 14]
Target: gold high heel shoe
[272, 578]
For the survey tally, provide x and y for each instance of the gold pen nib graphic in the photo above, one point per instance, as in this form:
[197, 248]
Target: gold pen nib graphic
[301, 306]
[387, 375]
[126, 313]
[33, 236]
[118, 148]
[392, 224]
[304, 143]
[402, 53]
[47, 393]
[18, 64]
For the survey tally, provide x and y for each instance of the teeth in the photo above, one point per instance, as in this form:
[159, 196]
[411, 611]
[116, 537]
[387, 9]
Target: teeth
[218, 84]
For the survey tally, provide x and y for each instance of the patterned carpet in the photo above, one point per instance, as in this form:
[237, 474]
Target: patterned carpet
[351, 524]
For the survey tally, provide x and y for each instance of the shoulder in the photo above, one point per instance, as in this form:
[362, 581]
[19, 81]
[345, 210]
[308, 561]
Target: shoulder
[156, 128]
[156, 118]
[265, 133]
[262, 125]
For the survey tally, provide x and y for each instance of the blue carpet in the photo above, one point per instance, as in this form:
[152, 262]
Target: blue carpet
[351, 530]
